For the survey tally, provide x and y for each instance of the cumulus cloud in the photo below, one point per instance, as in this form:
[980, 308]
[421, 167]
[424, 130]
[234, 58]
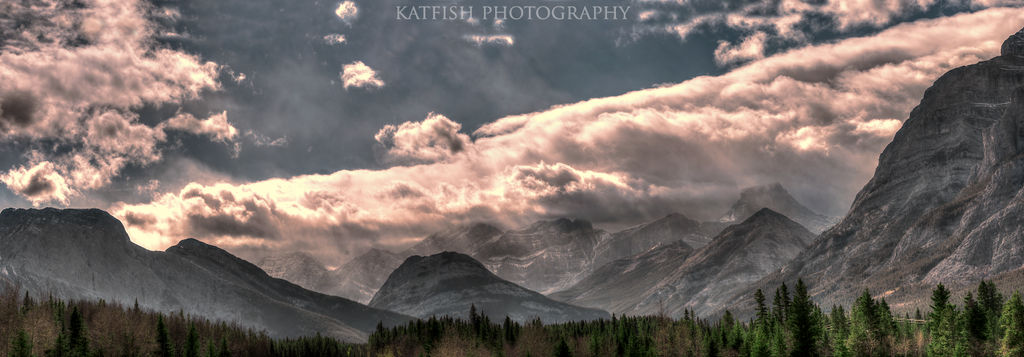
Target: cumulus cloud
[216, 126]
[72, 75]
[39, 183]
[752, 47]
[347, 11]
[436, 138]
[795, 117]
[261, 140]
[490, 40]
[358, 74]
[334, 39]
[792, 21]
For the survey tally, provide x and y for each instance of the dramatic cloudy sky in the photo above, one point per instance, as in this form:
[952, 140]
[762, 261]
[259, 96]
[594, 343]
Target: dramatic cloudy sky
[330, 127]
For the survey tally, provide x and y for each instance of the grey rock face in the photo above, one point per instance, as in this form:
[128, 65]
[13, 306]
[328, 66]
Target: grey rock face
[1013, 46]
[674, 278]
[357, 279]
[464, 239]
[546, 256]
[298, 268]
[360, 278]
[672, 229]
[944, 201]
[86, 254]
[616, 286]
[549, 256]
[775, 197]
[449, 283]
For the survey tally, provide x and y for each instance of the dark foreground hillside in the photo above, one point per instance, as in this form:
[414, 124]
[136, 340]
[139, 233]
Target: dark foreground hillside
[980, 323]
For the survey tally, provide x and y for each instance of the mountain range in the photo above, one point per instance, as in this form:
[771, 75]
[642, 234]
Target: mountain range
[676, 277]
[944, 204]
[547, 256]
[357, 279]
[775, 197]
[448, 283]
[86, 254]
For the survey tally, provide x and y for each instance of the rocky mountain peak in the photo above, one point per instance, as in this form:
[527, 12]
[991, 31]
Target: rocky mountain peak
[442, 259]
[565, 225]
[94, 224]
[943, 204]
[1014, 45]
[483, 230]
[776, 197]
[766, 215]
[375, 253]
[192, 243]
[448, 283]
[766, 219]
[196, 250]
[53, 215]
[771, 193]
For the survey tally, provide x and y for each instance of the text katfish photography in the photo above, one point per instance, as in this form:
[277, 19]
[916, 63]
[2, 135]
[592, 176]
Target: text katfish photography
[512, 12]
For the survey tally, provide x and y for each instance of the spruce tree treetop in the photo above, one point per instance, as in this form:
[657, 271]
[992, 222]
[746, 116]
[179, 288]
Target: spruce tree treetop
[1012, 323]
[940, 298]
[801, 323]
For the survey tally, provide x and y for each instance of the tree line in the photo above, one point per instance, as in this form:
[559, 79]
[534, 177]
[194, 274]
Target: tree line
[984, 323]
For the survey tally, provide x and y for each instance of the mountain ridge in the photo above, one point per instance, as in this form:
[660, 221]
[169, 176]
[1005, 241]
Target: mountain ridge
[86, 254]
[448, 283]
[676, 277]
[944, 200]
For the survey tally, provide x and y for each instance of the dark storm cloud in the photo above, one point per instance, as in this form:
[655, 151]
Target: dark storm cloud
[274, 68]
[292, 87]
[17, 108]
[139, 220]
[619, 160]
[259, 225]
[38, 184]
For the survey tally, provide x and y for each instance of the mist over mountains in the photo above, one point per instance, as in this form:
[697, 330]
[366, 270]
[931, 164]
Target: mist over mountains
[944, 205]
[546, 256]
[86, 254]
[444, 284]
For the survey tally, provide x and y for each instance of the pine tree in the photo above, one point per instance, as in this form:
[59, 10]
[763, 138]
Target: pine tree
[761, 309]
[863, 339]
[509, 328]
[778, 342]
[27, 303]
[801, 325]
[224, 350]
[944, 332]
[989, 297]
[727, 319]
[474, 318]
[21, 345]
[163, 339]
[1012, 324]
[60, 346]
[79, 341]
[991, 303]
[192, 342]
[780, 304]
[839, 331]
[886, 323]
[211, 351]
[940, 299]
[562, 349]
[759, 341]
[974, 318]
